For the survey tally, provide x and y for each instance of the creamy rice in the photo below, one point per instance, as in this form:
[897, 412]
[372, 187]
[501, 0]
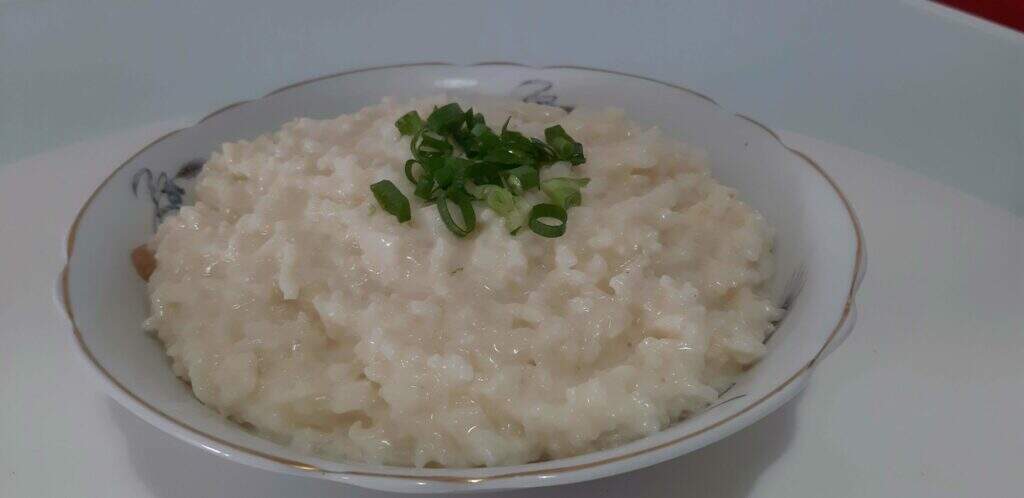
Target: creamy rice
[293, 303]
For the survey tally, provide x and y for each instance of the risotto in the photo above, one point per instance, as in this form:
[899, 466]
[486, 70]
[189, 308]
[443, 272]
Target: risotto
[293, 303]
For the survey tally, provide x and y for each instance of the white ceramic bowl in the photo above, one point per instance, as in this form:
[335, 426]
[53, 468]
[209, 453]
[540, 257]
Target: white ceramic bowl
[819, 251]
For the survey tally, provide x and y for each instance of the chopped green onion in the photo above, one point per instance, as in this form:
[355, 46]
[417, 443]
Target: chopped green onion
[478, 140]
[465, 208]
[566, 149]
[508, 155]
[481, 131]
[433, 163]
[516, 139]
[512, 208]
[426, 144]
[474, 119]
[408, 170]
[425, 188]
[409, 123]
[518, 216]
[392, 200]
[452, 172]
[543, 211]
[522, 178]
[478, 192]
[564, 192]
[446, 118]
[499, 199]
[543, 152]
[444, 176]
[462, 160]
[482, 173]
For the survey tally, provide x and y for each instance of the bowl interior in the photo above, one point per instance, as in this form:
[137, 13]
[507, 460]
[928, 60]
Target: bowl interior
[815, 244]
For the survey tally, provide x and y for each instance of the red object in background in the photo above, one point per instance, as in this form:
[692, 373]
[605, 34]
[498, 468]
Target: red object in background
[1009, 13]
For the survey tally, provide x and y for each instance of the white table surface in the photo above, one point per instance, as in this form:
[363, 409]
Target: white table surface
[925, 399]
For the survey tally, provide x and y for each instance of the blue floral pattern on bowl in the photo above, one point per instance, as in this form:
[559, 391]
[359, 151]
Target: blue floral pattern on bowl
[164, 191]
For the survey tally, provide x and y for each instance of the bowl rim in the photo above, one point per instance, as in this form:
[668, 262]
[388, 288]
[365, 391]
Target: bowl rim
[121, 392]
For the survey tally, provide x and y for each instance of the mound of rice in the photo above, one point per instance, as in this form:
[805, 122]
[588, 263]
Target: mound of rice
[292, 302]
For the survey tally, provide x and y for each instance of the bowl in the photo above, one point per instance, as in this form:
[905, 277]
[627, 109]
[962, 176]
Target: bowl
[819, 251]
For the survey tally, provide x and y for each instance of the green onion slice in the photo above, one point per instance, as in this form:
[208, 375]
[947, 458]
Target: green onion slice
[409, 123]
[452, 172]
[508, 155]
[466, 209]
[563, 191]
[408, 170]
[543, 152]
[431, 144]
[499, 199]
[518, 217]
[425, 188]
[566, 149]
[544, 211]
[522, 178]
[482, 173]
[446, 119]
[392, 200]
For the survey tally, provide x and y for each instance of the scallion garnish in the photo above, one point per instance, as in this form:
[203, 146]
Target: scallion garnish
[425, 188]
[566, 149]
[544, 211]
[522, 178]
[499, 199]
[392, 200]
[409, 123]
[516, 218]
[563, 191]
[465, 209]
[457, 158]
[409, 165]
[446, 119]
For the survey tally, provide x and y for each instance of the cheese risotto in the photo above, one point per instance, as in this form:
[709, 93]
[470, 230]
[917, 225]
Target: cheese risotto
[292, 302]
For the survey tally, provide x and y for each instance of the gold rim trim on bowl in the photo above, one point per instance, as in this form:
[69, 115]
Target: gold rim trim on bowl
[855, 280]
